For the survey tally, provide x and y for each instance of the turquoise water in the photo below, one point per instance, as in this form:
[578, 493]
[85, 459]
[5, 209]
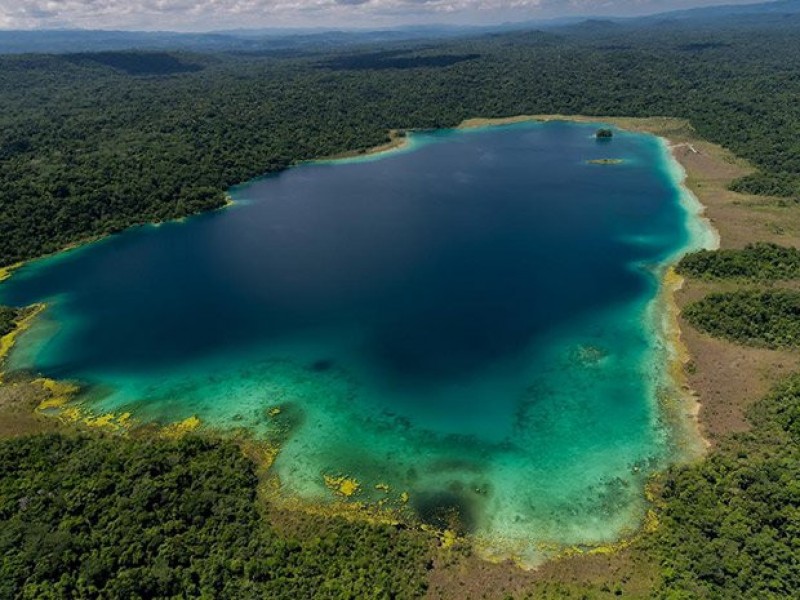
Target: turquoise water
[470, 320]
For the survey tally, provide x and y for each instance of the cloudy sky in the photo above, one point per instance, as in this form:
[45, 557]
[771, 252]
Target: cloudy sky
[204, 15]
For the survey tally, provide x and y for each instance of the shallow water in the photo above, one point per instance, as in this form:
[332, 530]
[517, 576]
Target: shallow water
[466, 320]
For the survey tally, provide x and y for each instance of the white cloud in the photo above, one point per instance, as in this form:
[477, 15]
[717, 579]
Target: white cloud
[221, 14]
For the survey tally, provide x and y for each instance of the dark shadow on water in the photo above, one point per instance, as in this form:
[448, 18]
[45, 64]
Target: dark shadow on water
[446, 510]
[284, 423]
[456, 464]
[322, 365]
[444, 347]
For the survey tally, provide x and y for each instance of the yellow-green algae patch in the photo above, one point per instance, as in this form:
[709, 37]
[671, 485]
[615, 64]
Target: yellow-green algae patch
[345, 486]
[60, 393]
[59, 405]
[175, 431]
[109, 421]
[5, 272]
[448, 538]
[8, 340]
[76, 415]
[385, 511]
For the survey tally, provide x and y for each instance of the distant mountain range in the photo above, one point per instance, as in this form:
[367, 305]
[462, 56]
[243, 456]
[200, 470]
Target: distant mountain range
[70, 40]
[281, 41]
[777, 7]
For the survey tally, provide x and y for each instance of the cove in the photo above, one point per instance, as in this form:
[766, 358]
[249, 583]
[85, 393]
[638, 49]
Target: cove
[466, 327]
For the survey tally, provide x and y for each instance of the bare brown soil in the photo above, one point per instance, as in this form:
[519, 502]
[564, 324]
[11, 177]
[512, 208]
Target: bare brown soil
[18, 417]
[626, 573]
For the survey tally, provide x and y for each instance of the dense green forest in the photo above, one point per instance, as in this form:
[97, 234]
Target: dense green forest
[8, 318]
[93, 143]
[730, 525]
[91, 517]
[94, 517]
[759, 261]
[769, 318]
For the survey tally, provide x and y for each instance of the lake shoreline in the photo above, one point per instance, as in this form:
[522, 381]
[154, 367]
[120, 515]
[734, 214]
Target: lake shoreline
[24, 322]
[398, 140]
[677, 136]
[680, 398]
[669, 288]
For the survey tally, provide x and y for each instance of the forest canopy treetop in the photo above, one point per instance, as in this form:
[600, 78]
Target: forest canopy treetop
[93, 143]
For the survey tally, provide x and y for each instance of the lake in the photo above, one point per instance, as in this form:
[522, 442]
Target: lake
[466, 329]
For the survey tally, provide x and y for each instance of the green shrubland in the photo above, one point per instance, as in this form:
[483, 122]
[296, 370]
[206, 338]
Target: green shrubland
[759, 261]
[769, 318]
[730, 524]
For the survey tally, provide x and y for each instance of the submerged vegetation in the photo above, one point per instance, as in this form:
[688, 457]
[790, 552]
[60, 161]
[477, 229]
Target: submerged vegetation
[760, 261]
[769, 318]
[606, 161]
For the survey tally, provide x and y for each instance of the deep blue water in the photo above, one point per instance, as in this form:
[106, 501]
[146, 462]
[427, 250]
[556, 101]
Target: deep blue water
[469, 313]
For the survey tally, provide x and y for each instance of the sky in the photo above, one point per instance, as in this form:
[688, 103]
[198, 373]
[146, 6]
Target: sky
[214, 15]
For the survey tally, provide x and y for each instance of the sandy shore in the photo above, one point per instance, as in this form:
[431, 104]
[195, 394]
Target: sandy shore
[6, 272]
[7, 341]
[397, 140]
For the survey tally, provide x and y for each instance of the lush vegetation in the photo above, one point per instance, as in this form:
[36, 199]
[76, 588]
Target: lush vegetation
[93, 143]
[90, 144]
[730, 525]
[94, 517]
[8, 317]
[759, 261]
[769, 318]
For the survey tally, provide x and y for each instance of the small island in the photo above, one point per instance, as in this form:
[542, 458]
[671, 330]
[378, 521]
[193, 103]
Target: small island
[605, 161]
[604, 134]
